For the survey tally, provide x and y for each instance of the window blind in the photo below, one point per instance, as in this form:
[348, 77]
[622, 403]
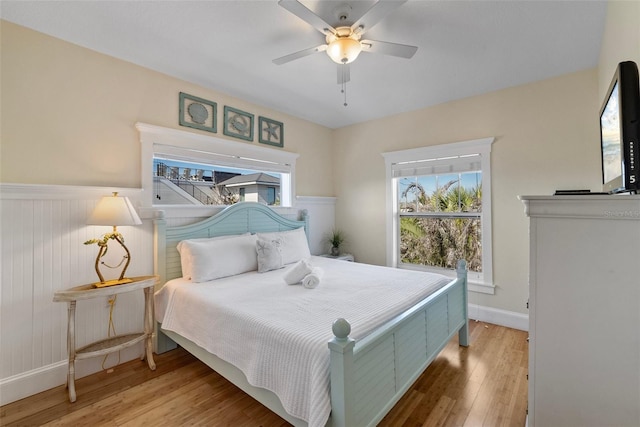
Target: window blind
[438, 166]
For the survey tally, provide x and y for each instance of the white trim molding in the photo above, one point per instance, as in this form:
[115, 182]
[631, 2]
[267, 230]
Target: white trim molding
[10, 191]
[32, 382]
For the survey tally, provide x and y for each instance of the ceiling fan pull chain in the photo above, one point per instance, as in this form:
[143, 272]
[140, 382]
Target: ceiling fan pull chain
[345, 94]
[344, 83]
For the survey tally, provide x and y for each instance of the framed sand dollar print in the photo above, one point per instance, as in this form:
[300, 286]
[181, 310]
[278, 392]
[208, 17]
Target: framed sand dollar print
[238, 123]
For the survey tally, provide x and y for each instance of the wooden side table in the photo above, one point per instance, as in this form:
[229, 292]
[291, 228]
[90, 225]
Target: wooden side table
[112, 344]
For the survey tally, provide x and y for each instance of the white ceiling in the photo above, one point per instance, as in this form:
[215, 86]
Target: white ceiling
[465, 48]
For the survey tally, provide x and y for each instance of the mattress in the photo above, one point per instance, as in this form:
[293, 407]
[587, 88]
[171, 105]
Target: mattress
[277, 334]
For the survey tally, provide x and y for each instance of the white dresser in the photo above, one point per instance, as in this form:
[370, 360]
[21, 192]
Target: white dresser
[584, 310]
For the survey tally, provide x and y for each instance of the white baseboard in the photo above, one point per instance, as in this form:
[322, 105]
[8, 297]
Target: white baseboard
[32, 382]
[47, 377]
[509, 319]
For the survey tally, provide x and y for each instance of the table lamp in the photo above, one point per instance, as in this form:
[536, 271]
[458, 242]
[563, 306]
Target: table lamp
[113, 211]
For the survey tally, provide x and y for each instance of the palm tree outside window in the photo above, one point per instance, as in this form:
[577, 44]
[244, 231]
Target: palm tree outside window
[440, 220]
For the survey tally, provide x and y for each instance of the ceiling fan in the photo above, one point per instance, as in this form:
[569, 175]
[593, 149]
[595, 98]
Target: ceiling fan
[344, 40]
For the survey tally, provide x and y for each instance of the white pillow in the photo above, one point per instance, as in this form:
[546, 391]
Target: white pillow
[185, 255]
[216, 258]
[294, 244]
[269, 255]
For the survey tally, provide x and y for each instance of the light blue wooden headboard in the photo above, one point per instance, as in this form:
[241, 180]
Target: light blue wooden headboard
[245, 217]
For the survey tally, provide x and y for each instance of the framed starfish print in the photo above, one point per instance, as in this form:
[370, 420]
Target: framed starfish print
[271, 132]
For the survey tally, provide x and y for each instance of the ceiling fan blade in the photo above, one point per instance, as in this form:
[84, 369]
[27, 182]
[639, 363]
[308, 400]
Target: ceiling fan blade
[299, 54]
[304, 13]
[386, 48]
[344, 74]
[379, 10]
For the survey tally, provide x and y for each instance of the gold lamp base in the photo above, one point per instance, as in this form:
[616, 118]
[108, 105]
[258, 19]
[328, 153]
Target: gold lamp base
[112, 283]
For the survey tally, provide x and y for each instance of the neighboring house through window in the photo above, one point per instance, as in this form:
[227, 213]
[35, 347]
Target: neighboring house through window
[254, 187]
[439, 209]
[187, 168]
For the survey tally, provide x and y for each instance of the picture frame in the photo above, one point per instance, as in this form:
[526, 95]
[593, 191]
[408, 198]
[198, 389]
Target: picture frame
[238, 123]
[197, 113]
[271, 132]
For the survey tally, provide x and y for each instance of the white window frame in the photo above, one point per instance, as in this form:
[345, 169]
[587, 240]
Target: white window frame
[186, 146]
[410, 162]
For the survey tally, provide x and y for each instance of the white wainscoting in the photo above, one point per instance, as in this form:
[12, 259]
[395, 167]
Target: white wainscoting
[42, 231]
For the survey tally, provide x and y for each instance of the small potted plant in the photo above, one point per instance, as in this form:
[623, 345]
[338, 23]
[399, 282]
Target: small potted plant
[336, 239]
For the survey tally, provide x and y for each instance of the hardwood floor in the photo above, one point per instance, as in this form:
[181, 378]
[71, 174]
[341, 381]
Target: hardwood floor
[482, 385]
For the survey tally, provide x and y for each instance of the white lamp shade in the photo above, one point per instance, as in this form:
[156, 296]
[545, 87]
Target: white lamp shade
[114, 211]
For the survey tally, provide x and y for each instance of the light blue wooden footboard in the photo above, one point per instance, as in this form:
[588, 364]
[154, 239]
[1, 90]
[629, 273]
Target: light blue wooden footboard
[368, 377]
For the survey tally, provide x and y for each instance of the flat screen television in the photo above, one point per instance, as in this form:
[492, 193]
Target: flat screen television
[620, 131]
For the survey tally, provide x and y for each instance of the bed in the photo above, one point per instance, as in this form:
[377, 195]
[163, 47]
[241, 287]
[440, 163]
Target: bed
[363, 365]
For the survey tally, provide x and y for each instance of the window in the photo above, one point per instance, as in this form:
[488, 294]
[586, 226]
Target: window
[439, 209]
[271, 196]
[186, 168]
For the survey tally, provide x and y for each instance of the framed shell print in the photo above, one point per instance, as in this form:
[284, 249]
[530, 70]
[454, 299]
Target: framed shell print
[197, 113]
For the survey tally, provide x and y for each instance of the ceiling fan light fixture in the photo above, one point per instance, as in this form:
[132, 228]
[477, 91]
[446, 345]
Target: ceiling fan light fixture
[344, 50]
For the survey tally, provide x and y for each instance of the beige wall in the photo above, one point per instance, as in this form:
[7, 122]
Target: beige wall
[546, 138]
[621, 41]
[68, 116]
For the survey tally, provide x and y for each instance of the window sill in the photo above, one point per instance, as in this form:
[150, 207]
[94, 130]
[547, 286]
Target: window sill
[481, 287]
[473, 284]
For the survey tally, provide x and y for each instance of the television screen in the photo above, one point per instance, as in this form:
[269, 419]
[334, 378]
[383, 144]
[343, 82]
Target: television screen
[610, 128]
[620, 131]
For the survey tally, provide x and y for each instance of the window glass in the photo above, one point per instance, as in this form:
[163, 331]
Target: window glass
[183, 182]
[440, 220]
[272, 196]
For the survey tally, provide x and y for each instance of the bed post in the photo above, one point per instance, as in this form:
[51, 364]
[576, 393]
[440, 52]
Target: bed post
[303, 215]
[341, 367]
[161, 342]
[159, 247]
[463, 333]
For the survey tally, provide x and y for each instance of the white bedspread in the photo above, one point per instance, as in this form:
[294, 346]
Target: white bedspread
[277, 334]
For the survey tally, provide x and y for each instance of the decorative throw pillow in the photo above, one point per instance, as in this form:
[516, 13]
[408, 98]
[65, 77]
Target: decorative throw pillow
[294, 245]
[269, 255]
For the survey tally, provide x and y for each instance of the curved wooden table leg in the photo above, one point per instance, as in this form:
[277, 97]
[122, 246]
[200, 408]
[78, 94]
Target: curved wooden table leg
[148, 327]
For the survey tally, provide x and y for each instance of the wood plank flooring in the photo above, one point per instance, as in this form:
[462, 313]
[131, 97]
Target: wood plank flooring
[482, 385]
